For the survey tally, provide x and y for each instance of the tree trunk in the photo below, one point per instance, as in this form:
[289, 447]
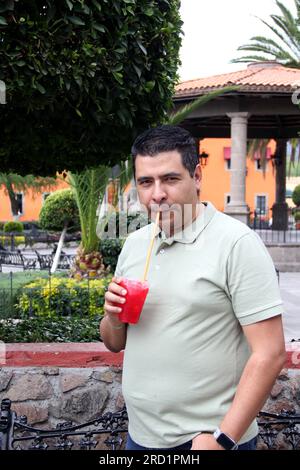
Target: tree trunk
[13, 203]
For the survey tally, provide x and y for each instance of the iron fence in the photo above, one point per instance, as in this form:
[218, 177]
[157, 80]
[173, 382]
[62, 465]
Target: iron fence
[276, 431]
[270, 236]
[19, 302]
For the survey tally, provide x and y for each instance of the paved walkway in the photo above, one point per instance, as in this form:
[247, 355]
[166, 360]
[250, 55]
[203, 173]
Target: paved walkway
[290, 291]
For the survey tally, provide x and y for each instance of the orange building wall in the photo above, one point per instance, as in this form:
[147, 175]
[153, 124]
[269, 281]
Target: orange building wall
[216, 179]
[32, 203]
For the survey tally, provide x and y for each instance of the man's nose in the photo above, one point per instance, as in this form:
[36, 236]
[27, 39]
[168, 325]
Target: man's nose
[159, 194]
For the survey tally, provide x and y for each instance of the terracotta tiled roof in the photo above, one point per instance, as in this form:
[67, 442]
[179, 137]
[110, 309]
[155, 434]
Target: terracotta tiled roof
[259, 77]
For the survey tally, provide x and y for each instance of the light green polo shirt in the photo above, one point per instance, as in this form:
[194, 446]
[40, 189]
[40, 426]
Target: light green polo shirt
[184, 359]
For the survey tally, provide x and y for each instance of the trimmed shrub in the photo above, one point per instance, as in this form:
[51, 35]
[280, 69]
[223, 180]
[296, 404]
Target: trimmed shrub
[296, 196]
[297, 216]
[13, 226]
[60, 209]
[60, 297]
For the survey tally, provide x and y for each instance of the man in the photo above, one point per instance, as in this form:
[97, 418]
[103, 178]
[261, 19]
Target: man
[209, 345]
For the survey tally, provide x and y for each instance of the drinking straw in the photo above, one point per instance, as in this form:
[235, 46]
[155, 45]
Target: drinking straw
[150, 248]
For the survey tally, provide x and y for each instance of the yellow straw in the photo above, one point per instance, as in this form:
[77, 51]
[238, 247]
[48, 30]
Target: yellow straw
[150, 248]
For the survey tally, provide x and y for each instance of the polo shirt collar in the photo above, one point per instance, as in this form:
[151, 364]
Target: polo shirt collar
[192, 231]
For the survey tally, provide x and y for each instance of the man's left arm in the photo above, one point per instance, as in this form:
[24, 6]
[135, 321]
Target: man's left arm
[267, 358]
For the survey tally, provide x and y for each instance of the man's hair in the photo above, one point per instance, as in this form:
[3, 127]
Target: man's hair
[165, 139]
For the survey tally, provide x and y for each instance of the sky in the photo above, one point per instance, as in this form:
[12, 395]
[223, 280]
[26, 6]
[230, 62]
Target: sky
[214, 29]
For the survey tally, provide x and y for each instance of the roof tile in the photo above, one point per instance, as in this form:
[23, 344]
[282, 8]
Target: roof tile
[257, 77]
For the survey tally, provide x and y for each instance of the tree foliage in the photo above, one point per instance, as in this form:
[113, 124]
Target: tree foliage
[82, 78]
[60, 210]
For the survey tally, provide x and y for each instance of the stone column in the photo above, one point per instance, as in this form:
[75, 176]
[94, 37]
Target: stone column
[237, 206]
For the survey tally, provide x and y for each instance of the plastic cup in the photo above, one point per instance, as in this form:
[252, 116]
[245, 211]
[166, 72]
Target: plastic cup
[135, 298]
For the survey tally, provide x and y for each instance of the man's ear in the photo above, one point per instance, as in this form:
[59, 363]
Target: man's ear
[198, 176]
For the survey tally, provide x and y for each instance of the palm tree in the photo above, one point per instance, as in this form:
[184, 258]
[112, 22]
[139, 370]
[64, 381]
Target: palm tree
[284, 48]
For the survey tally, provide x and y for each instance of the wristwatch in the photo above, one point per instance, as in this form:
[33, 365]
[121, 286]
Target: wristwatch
[225, 441]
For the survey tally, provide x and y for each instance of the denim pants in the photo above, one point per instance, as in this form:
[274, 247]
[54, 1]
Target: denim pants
[131, 445]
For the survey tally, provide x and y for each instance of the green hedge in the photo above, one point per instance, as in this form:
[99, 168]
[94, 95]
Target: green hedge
[40, 330]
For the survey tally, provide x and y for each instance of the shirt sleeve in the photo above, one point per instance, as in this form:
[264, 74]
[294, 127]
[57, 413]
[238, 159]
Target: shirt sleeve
[252, 281]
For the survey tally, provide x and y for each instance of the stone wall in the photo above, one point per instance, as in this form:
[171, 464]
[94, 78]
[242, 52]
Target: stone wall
[286, 257]
[48, 395]
[43, 384]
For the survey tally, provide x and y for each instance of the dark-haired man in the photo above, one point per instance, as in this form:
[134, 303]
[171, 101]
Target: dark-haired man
[200, 363]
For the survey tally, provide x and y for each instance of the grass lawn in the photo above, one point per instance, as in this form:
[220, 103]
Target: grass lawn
[20, 278]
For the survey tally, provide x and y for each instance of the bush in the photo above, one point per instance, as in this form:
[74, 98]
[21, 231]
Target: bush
[60, 209]
[61, 330]
[6, 240]
[110, 250]
[13, 226]
[1, 226]
[296, 196]
[59, 297]
[297, 216]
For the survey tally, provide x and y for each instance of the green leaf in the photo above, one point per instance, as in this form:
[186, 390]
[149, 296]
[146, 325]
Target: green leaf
[97, 5]
[118, 76]
[76, 20]
[149, 11]
[3, 21]
[142, 47]
[40, 88]
[117, 68]
[78, 112]
[20, 63]
[70, 4]
[99, 27]
[149, 86]
[138, 70]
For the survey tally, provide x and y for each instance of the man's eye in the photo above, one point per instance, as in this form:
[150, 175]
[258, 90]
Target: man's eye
[171, 178]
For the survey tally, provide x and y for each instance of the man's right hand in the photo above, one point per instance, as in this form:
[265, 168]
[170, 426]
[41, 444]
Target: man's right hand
[115, 294]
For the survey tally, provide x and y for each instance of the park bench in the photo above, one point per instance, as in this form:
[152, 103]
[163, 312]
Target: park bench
[46, 261]
[16, 259]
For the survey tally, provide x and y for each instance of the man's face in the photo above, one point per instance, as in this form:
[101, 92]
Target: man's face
[164, 184]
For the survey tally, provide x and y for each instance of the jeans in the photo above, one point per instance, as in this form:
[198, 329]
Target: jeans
[131, 445]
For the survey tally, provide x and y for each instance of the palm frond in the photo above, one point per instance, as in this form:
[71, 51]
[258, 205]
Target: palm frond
[182, 113]
[285, 27]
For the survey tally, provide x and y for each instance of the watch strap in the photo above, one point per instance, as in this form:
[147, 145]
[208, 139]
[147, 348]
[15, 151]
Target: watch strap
[224, 440]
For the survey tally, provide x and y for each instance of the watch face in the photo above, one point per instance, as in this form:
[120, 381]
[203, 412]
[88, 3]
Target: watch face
[225, 441]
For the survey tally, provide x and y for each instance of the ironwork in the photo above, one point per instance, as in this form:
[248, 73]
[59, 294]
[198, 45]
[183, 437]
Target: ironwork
[279, 430]
[16, 434]
[276, 431]
[16, 258]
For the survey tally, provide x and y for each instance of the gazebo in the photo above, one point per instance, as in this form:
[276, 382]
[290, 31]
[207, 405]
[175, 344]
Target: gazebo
[265, 106]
